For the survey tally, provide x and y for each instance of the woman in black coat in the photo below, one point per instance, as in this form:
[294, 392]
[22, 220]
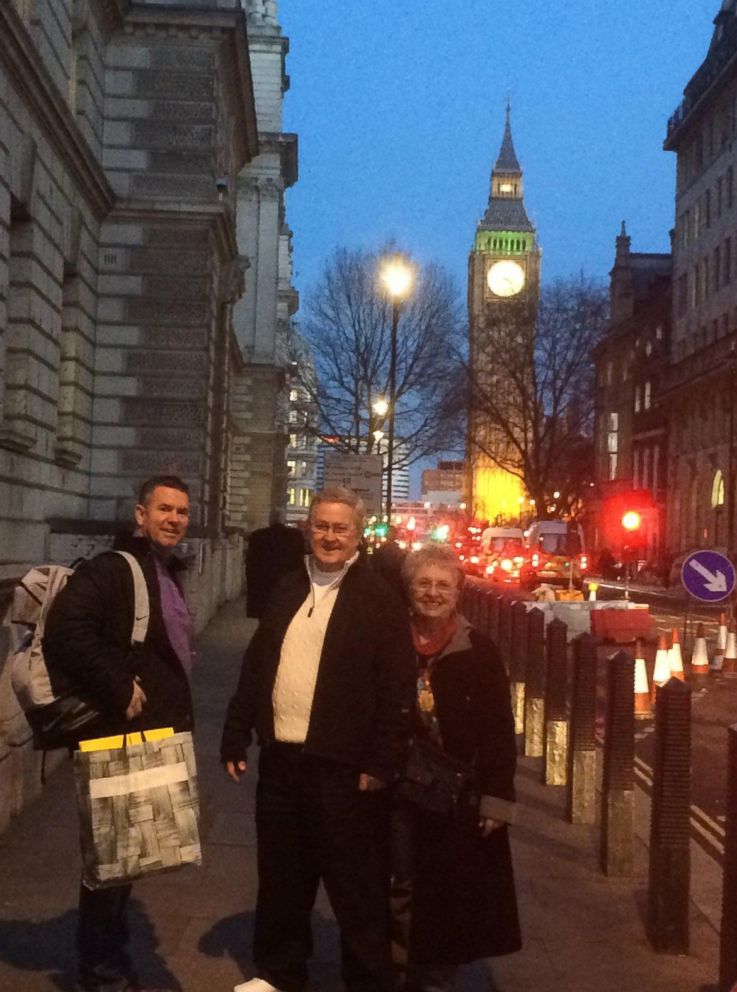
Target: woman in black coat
[453, 895]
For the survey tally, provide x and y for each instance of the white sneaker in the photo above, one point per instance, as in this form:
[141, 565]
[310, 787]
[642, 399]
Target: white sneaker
[255, 985]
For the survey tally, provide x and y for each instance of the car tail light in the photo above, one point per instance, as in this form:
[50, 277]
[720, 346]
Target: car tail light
[490, 569]
[583, 562]
[461, 557]
[507, 564]
[535, 560]
[518, 560]
[474, 559]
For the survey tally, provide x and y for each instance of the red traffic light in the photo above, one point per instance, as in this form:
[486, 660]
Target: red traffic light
[631, 520]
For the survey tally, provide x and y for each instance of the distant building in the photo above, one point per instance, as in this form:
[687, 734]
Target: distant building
[630, 434]
[262, 317]
[503, 296]
[303, 440]
[400, 475]
[702, 382]
[447, 476]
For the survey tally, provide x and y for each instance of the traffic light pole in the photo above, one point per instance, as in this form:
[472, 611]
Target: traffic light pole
[392, 409]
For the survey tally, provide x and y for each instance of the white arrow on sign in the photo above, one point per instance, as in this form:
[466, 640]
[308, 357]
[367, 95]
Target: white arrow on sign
[715, 581]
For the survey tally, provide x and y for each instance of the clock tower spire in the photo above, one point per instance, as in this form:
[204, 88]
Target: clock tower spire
[503, 294]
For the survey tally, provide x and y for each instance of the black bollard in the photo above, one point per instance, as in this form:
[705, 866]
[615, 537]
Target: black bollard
[518, 664]
[494, 601]
[617, 793]
[535, 685]
[668, 893]
[581, 785]
[728, 939]
[555, 764]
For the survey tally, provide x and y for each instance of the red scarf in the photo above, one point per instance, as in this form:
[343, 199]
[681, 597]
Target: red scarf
[429, 647]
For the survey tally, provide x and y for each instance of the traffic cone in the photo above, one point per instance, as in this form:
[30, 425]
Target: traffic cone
[700, 657]
[730, 653]
[661, 671]
[676, 658]
[643, 709]
[718, 660]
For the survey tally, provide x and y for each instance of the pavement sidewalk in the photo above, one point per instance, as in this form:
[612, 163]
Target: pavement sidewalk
[582, 931]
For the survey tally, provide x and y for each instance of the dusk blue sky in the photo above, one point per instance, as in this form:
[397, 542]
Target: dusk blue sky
[399, 108]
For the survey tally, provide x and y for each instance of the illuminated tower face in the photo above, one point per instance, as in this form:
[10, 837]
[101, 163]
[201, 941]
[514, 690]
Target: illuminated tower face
[503, 294]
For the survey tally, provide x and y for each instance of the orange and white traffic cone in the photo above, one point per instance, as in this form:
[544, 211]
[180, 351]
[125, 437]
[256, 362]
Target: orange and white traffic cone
[676, 658]
[661, 672]
[700, 656]
[730, 652]
[718, 660]
[643, 708]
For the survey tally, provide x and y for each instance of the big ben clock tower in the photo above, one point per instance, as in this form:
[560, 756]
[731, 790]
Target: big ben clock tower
[503, 295]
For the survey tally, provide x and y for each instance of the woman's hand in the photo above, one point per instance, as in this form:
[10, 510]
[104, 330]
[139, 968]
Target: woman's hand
[487, 825]
[235, 769]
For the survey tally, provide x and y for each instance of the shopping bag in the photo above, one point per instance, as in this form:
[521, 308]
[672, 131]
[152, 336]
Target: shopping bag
[138, 809]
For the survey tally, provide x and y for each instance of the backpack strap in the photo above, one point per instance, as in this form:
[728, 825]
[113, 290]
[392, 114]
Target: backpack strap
[141, 608]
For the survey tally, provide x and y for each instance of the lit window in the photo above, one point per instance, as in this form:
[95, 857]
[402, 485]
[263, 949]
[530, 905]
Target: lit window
[612, 467]
[638, 399]
[291, 496]
[647, 397]
[717, 490]
[293, 395]
[291, 467]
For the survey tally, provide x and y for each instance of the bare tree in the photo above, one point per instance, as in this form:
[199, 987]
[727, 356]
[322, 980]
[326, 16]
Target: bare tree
[348, 326]
[531, 391]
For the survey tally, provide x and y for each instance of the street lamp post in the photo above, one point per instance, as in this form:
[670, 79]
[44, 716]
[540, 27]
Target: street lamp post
[396, 276]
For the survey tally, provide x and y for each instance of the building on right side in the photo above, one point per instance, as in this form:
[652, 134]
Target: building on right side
[702, 375]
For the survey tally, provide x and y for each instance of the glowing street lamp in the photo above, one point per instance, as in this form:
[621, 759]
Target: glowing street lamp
[396, 275]
[381, 407]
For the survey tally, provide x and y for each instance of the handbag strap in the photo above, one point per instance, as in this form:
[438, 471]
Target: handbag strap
[141, 606]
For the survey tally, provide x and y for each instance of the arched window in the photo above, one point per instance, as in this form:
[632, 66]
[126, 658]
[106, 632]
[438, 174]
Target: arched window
[717, 490]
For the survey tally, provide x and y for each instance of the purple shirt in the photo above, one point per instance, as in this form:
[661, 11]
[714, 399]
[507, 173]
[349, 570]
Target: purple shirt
[177, 618]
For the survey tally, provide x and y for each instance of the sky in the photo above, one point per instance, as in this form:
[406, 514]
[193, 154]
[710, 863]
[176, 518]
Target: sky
[399, 107]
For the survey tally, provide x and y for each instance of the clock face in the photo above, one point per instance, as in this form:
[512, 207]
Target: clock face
[505, 278]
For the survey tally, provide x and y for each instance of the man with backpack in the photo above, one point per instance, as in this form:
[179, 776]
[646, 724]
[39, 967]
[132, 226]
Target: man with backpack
[87, 648]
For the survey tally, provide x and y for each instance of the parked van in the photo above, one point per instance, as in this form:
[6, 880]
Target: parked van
[555, 554]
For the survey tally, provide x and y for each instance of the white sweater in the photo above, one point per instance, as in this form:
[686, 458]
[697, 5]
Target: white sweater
[299, 661]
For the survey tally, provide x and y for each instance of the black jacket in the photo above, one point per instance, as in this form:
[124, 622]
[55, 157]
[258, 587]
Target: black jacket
[365, 683]
[272, 553]
[87, 644]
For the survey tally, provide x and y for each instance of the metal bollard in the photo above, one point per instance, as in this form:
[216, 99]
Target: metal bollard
[617, 793]
[670, 867]
[728, 939]
[535, 685]
[555, 764]
[518, 665]
[581, 784]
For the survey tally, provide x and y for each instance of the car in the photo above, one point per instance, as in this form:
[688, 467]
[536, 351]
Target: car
[555, 555]
[506, 560]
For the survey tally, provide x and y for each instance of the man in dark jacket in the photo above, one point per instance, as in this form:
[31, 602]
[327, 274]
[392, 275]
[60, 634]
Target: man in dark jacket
[327, 684]
[87, 644]
[273, 551]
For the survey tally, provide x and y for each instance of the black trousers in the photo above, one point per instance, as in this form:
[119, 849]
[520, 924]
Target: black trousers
[313, 823]
[103, 964]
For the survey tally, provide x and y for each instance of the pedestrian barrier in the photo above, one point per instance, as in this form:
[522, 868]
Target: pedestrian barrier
[581, 782]
[518, 664]
[555, 763]
[617, 795]
[669, 876]
[535, 686]
[728, 936]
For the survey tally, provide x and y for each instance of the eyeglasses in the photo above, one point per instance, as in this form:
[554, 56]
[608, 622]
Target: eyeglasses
[442, 586]
[322, 527]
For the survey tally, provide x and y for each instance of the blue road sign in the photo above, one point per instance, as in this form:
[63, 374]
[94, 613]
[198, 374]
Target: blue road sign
[708, 575]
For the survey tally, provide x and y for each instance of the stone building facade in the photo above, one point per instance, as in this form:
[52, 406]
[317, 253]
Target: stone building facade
[123, 127]
[703, 368]
[262, 318]
[302, 418]
[630, 432]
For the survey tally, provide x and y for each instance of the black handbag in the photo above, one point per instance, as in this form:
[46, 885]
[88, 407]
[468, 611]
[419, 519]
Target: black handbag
[434, 781]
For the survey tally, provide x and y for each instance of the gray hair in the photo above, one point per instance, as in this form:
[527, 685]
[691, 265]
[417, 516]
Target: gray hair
[440, 555]
[339, 494]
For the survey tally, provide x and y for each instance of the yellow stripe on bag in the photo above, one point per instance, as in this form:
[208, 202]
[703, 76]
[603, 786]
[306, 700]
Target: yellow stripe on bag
[116, 741]
[149, 778]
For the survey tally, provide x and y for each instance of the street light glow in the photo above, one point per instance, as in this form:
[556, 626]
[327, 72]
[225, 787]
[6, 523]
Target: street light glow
[396, 276]
[381, 407]
[378, 435]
